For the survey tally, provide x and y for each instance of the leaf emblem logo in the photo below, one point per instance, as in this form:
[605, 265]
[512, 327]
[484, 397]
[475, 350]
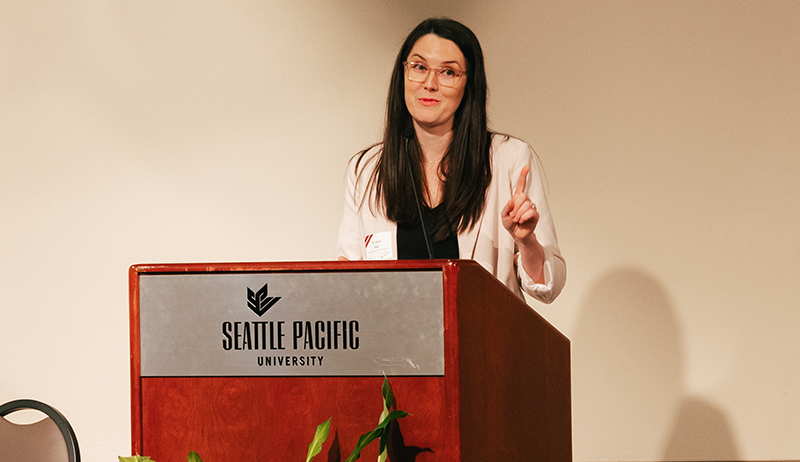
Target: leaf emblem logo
[259, 302]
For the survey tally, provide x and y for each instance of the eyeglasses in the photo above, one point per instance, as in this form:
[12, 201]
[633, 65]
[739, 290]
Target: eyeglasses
[418, 72]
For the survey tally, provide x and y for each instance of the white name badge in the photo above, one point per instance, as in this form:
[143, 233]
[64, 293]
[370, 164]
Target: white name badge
[379, 246]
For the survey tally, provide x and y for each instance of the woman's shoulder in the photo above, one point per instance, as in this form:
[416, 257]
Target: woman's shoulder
[368, 153]
[365, 159]
[507, 148]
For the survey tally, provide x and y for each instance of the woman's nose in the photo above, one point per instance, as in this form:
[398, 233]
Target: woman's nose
[432, 80]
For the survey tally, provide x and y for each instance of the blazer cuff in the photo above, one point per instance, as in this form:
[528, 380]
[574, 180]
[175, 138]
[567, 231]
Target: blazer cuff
[538, 291]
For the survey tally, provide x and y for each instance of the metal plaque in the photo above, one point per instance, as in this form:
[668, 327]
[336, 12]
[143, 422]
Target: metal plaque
[292, 324]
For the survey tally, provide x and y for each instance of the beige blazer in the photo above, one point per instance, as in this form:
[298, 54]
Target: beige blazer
[488, 242]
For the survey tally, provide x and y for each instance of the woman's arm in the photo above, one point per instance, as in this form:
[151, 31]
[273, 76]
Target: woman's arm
[540, 268]
[520, 218]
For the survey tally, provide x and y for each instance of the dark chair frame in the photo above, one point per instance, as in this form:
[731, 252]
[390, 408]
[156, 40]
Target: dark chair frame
[66, 429]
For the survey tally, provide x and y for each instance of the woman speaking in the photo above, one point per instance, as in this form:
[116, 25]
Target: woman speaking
[441, 184]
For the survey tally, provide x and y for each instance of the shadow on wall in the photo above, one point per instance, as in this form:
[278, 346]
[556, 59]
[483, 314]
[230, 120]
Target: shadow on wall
[700, 432]
[629, 398]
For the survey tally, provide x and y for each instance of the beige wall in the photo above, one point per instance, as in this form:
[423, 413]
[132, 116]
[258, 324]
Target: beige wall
[146, 131]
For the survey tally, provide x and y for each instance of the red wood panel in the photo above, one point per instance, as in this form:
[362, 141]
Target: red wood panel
[136, 370]
[274, 418]
[515, 401]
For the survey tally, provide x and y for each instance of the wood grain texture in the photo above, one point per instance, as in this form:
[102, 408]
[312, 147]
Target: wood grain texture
[515, 401]
[274, 418]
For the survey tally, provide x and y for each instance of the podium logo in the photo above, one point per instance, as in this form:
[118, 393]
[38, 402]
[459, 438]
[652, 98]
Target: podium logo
[259, 302]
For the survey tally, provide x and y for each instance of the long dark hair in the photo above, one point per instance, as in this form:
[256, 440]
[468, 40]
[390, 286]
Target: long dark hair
[465, 167]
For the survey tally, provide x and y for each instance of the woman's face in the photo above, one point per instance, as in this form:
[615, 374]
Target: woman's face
[431, 105]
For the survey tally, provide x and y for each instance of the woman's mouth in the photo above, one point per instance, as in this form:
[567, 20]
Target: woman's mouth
[428, 101]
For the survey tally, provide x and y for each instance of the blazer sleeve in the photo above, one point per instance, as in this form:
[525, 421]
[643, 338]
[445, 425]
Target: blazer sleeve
[555, 268]
[348, 244]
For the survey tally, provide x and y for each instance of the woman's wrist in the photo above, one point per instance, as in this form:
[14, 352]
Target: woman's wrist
[532, 256]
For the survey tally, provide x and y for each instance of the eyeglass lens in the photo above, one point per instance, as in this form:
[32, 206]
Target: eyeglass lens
[418, 72]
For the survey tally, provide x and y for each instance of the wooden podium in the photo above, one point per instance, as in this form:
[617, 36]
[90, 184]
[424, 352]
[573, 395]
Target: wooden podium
[241, 361]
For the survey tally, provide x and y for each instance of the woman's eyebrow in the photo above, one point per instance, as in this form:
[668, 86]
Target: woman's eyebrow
[426, 59]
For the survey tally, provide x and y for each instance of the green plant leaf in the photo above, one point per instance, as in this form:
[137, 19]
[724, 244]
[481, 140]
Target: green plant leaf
[193, 457]
[135, 459]
[384, 436]
[388, 402]
[388, 394]
[319, 438]
[378, 432]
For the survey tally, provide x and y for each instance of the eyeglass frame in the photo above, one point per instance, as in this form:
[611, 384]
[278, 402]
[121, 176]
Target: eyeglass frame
[438, 71]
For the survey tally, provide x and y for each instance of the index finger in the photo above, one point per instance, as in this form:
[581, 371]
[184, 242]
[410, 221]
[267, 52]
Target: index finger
[523, 180]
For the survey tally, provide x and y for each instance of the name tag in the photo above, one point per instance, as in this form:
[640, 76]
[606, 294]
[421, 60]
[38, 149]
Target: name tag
[379, 246]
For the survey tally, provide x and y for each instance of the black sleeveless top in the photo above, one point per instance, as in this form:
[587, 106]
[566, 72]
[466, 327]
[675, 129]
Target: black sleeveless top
[411, 239]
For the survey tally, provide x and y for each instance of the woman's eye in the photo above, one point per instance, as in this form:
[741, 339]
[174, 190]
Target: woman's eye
[448, 72]
[419, 67]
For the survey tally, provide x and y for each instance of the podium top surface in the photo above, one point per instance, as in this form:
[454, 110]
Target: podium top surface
[374, 265]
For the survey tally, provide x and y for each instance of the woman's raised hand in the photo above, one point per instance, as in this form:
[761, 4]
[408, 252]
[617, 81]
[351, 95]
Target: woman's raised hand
[520, 215]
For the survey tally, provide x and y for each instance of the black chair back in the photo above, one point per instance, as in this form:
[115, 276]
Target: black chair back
[37, 430]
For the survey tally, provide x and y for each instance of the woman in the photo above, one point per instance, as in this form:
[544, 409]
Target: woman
[479, 193]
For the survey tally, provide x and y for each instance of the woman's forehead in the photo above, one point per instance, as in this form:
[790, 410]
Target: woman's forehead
[436, 49]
